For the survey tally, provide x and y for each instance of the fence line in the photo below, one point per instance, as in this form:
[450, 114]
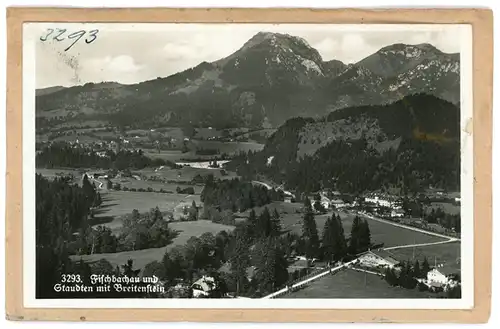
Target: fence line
[308, 280]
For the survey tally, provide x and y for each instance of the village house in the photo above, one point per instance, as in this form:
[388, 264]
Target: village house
[435, 276]
[325, 202]
[441, 277]
[203, 286]
[398, 213]
[338, 204]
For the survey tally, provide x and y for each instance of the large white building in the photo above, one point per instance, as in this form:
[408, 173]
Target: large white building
[382, 200]
[434, 276]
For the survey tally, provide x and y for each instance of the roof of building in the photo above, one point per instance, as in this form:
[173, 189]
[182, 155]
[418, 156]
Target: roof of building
[385, 255]
[382, 256]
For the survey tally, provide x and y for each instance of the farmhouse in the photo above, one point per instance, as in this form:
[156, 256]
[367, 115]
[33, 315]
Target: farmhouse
[337, 204]
[325, 202]
[203, 286]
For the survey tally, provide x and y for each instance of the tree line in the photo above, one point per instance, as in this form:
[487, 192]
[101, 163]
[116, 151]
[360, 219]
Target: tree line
[61, 210]
[236, 195]
[428, 153]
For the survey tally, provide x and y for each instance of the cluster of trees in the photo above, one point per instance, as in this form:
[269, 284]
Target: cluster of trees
[186, 190]
[61, 210]
[140, 231]
[191, 213]
[144, 231]
[236, 195]
[408, 274]
[240, 249]
[200, 256]
[449, 221]
[333, 242]
[360, 239]
[65, 155]
[310, 237]
[207, 151]
[215, 215]
[256, 244]
[333, 245]
[265, 225]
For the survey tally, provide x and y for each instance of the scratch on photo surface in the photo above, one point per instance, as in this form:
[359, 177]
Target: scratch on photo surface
[72, 62]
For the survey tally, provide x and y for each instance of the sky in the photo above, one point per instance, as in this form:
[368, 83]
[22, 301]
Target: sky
[130, 53]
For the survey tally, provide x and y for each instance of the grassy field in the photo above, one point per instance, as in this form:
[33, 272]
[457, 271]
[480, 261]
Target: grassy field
[119, 203]
[143, 257]
[445, 255]
[167, 155]
[283, 208]
[75, 137]
[380, 232]
[53, 172]
[228, 147]
[176, 155]
[156, 186]
[291, 221]
[352, 284]
[184, 174]
[82, 123]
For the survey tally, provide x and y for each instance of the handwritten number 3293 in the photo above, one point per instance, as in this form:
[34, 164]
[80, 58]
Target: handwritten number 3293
[59, 35]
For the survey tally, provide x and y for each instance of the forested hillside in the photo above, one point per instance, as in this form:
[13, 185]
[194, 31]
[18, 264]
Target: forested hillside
[423, 130]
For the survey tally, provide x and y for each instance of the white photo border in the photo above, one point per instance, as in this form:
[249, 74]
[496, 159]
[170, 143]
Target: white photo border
[464, 33]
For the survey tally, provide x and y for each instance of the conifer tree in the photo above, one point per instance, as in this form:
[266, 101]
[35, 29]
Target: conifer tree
[310, 232]
[354, 238]
[364, 238]
[425, 267]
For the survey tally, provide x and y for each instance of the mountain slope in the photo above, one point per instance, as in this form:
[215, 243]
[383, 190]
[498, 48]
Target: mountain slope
[408, 144]
[398, 58]
[271, 78]
[48, 90]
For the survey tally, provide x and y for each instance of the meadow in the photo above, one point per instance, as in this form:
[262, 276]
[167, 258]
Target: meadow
[391, 236]
[353, 284]
[119, 203]
[142, 257]
[446, 256]
[229, 148]
[130, 183]
[184, 174]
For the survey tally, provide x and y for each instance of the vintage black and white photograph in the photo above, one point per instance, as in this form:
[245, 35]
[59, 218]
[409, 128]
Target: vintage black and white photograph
[249, 161]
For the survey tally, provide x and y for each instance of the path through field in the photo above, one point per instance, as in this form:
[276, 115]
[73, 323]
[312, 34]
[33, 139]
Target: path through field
[416, 229]
[333, 270]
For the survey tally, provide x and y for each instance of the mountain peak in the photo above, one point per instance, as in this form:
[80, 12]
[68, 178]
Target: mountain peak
[274, 39]
[397, 58]
[274, 51]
